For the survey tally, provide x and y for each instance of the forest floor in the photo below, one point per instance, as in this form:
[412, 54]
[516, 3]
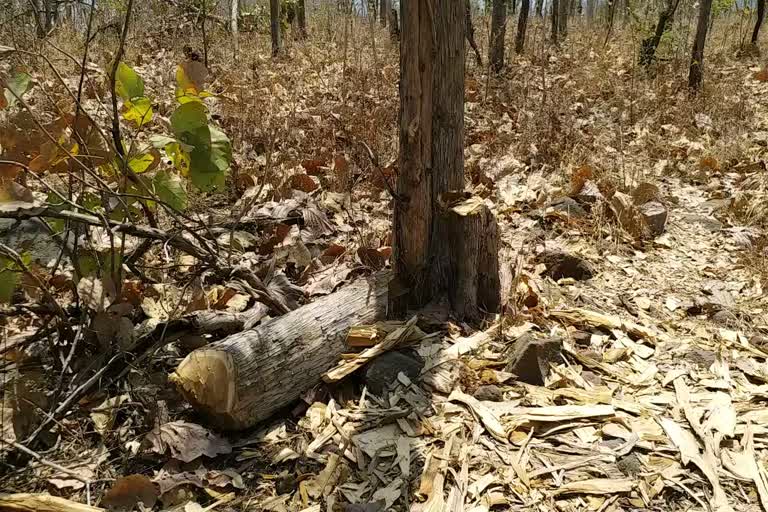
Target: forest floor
[655, 397]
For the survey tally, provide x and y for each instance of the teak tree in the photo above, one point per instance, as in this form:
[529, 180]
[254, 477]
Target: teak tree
[444, 241]
[522, 25]
[649, 45]
[498, 34]
[759, 21]
[696, 72]
[274, 25]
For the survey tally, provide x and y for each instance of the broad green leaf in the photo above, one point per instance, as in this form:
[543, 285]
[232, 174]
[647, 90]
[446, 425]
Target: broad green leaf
[138, 110]
[169, 188]
[128, 84]
[144, 162]
[188, 118]
[19, 84]
[210, 158]
[161, 141]
[8, 281]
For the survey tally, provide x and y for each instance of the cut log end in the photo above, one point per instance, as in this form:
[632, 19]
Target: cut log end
[206, 378]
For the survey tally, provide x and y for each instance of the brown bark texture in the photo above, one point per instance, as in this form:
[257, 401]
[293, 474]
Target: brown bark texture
[246, 377]
[522, 25]
[274, 25]
[696, 72]
[498, 34]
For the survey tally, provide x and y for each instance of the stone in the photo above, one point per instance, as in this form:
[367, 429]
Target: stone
[489, 393]
[655, 216]
[630, 465]
[531, 357]
[382, 372]
[711, 224]
[567, 206]
[562, 265]
[589, 193]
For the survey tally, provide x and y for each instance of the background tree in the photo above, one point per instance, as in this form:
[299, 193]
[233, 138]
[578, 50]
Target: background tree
[696, 71]
[301, 16]
[234, 14]
[384, 12]
[498, 35]
[562, 22]
[522, 25]
[759, 21]
[540, 8]
[555, 21]
[649, 45]
[470, 32]
[274, 25]
[433, 252]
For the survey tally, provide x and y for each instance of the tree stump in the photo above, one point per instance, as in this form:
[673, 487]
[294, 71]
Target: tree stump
[473, 287]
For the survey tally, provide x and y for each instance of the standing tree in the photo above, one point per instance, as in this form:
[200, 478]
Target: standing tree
[470, 32]
[759, 21]
[556, 21]
[540, 8]
[522, 25]
[274, 25]
[443, 242]
[696, 72]
[394, 26]
[562, 24]
[498, 35]
[234, 13]
[649, 45]
[590, 10]
[383, 12]
[301, 15]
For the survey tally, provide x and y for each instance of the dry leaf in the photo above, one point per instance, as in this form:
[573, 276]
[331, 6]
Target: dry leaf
[129, 491]
[186, 441]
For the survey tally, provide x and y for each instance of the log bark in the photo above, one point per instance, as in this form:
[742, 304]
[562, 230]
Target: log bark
[696, 72]
[244, 378]
[498, 32]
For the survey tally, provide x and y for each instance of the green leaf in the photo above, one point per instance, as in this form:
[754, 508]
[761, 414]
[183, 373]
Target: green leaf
[128, 84]
[8, 281]
[138, 110]
[19, 84]
[179, 156]
[169, 188]
[210, 158]
[188, 118]
[144, 162]
[161, 141]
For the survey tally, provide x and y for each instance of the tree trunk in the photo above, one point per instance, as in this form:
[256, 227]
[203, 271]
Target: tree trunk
[590, 10]
[383, 12]
[246, 377]
[759, 21]
[555, 21]
[234, 13]
[301, 12]
[431, 246]
[394, 25]
[470, 32]
[540, 8]
[274, 25]
[562, 25]
[498, 33]
[513, 5]
[522, 25]
[696, 72]
[649, 45]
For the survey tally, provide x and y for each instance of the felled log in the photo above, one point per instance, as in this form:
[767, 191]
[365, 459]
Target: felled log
[42, 503]
[244, 378]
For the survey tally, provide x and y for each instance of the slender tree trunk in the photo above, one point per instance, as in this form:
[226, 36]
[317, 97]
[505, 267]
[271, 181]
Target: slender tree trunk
[540, 8]
[429, 247]
[513, 5]
[759, 21]
[522, 25]
[383, 12]
[394, 25]
[470, 32]
[498, 33]
[611, 16]
[234, 13]
[274, 25]
[556, 21]
[590, 10]
[302, 19]
[649, 45]
[562, 25]
[696, 73]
